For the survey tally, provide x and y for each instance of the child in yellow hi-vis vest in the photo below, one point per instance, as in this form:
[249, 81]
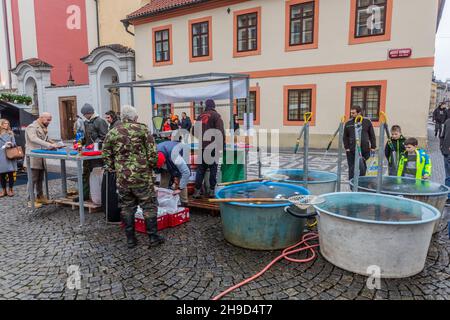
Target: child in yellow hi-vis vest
[414, 162]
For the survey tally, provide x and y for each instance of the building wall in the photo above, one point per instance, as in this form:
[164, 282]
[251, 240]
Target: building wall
[333, 49]
[433, 98]
[52, 96]
[61, 40]
[110, 14]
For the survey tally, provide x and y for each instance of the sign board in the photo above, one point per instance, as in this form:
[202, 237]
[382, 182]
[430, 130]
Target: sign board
[400, 53]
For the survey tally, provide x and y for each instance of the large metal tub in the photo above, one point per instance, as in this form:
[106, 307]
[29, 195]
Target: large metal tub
[425, 191]
[261, 226]
[319, 182]
[361, 231]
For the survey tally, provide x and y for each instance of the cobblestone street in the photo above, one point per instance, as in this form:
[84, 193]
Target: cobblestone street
[196, 262]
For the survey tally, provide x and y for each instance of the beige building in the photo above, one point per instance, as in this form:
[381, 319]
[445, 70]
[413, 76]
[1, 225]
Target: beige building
[111, 30]
[318, 56]
[433, 98]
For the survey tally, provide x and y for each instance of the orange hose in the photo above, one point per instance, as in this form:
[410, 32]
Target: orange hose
[286, 252]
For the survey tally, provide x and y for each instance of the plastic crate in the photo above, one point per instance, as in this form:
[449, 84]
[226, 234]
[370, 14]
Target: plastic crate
[139, 224]
[175, 219]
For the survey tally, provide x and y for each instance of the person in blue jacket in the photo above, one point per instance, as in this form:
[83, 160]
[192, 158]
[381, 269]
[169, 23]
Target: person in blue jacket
[173, 168]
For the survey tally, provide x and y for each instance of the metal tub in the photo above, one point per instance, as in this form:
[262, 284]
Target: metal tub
[261, 226]
[319, 182]
[363, 232]
[425, 191]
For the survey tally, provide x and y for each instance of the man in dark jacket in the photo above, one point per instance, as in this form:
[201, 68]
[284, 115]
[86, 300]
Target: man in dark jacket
[368, 142]
[439, 117]
[212, 144]
[95, 132]
[186, 125]
[445, 149]
[112, 118]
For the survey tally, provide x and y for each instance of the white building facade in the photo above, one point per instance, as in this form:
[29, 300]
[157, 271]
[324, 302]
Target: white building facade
[319, 56]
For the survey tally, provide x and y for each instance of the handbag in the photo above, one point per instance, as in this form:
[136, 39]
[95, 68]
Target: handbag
[14, 153]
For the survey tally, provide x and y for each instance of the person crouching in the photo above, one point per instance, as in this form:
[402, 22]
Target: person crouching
[173, 167]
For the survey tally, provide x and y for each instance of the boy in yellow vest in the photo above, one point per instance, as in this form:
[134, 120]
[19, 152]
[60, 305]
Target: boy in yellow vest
[414, 162]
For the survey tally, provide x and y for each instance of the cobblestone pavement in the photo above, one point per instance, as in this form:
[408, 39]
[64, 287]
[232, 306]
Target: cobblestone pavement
[196, 262]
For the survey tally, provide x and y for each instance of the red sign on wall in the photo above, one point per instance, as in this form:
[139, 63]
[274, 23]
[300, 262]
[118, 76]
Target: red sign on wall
[400, 53]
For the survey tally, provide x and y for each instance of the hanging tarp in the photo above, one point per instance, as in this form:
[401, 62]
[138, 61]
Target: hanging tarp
[216, 91]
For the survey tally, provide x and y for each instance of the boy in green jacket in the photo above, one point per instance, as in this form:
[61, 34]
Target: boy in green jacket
[394, 149]
[414, 163]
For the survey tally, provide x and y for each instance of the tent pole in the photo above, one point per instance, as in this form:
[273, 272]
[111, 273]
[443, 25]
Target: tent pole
[247, 109]
[132, 95]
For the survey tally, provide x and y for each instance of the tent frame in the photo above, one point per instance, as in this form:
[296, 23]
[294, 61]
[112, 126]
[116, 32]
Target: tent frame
[193, 79]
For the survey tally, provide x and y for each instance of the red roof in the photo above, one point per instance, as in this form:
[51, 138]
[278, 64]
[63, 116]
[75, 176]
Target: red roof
[158, 6]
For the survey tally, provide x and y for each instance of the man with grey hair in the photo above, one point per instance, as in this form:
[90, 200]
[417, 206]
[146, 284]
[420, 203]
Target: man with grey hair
[36, 137]
[130, 152]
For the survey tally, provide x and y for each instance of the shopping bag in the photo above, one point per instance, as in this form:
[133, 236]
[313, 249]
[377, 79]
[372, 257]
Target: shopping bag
[167, 202]
[95, 185]
[372, 165]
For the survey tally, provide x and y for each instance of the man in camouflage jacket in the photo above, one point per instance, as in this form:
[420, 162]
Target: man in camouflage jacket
[129, 150]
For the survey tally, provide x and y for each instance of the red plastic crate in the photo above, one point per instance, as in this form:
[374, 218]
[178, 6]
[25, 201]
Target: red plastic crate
[139, 225]
[178, 218]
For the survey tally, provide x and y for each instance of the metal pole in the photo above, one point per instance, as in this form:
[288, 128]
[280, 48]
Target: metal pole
[231, 109]
[358, 127]
[46, 181]
[80, 190]
[30, 182]
[306, 155]
[64, 178]
[247, 136]
[380, 158]
[306, 118]
[132, 95]
[340, 150]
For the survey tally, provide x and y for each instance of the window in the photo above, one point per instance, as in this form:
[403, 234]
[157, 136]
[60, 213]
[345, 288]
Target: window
[369, 95]
[162, 48]
[299, 103]
[200, 41]
[197, 109]
[298, 100]
[368, 98]
[241, 104]
[301, 29]
[162, 44]
[370, 21]
[370, 18]
[163, 110]
[247, 32]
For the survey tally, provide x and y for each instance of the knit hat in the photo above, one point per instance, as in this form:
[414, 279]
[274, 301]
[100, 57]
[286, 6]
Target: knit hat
[87, 109]
[161, 160]
[210, 104]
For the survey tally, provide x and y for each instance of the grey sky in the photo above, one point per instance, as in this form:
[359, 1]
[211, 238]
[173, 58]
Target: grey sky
[442, 64]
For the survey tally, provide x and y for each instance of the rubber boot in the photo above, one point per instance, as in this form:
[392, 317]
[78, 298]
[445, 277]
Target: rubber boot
[152, 230]
[197, 194]
[128, 219]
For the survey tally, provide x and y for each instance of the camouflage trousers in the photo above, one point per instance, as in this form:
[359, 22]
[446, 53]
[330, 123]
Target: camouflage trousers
[131, 198]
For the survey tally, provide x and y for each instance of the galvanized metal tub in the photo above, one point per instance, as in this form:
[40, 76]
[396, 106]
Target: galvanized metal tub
[369, 233]
[319, 182]
[261, 226]
[425, 191]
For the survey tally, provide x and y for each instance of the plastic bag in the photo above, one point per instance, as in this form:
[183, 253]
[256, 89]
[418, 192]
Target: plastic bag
[95, 185]
[167, 202]
[372, 165]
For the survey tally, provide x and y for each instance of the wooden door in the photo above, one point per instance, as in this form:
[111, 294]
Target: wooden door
[68, 117]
